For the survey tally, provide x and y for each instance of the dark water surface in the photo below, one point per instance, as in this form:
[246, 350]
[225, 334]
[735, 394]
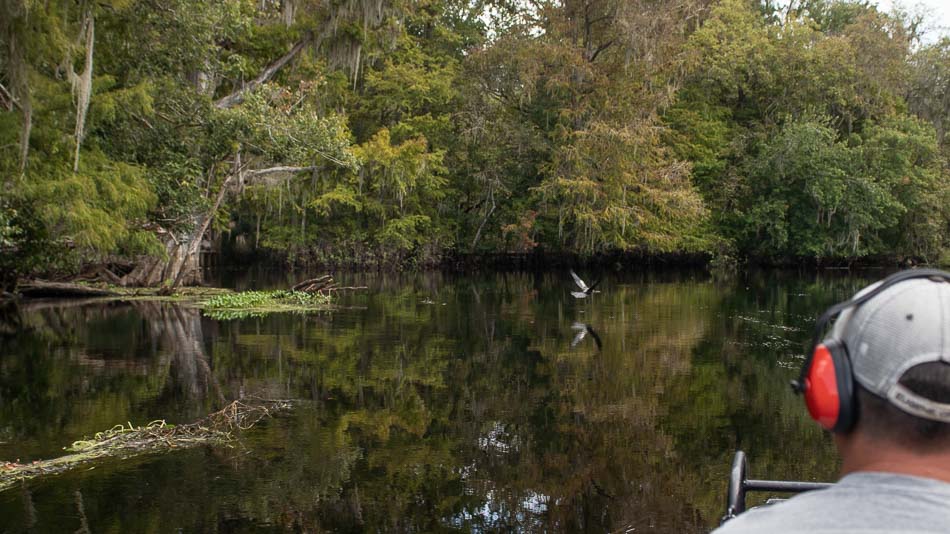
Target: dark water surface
[428, 403]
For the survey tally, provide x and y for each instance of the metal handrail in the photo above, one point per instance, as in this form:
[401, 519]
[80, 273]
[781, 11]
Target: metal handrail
[739, 485]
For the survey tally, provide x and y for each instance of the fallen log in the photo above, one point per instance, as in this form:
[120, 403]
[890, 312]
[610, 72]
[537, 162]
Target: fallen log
[316, 288]
[41, 289]
[315, 285]
[320, 280]
[346, 288]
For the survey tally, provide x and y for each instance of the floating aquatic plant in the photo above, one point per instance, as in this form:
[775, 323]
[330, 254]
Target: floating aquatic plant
[259, 303]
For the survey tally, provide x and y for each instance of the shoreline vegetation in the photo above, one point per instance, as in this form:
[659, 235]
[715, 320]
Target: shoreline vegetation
[121, 442]
[316, 293]
[408, 134]
[216, 303]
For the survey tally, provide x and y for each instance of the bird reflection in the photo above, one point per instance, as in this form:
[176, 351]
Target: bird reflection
[582, 331]
[585, 290]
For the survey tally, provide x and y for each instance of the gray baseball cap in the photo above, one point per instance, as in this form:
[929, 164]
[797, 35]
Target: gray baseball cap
[905, 325]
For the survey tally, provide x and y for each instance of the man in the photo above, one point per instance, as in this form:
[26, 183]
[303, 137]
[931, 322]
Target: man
[881, 383]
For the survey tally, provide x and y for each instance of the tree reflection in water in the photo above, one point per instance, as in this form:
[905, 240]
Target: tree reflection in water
[433, 404]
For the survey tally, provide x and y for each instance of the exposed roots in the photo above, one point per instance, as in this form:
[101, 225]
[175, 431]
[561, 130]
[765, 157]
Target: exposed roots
[127, 441]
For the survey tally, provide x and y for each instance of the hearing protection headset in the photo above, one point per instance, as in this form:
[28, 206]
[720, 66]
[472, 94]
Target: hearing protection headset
[826, 378]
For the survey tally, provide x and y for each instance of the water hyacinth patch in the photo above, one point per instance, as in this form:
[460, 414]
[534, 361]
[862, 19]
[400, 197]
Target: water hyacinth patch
[260, 303]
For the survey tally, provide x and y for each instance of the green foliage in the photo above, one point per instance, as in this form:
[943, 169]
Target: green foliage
[799, 134]
[809, 198]
[282, 127]
[929, 91]
[259, 303]
[401, 131]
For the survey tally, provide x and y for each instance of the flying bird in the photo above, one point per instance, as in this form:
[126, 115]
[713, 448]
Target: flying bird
[582, 331]
[585, 290]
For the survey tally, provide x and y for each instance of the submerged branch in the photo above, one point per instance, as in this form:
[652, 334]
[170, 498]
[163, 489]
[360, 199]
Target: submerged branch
[126, 442]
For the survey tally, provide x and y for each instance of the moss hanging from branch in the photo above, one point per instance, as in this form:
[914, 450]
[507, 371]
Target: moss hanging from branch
[82, 82]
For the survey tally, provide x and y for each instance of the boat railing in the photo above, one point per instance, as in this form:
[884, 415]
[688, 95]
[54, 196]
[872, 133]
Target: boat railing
[740, 484]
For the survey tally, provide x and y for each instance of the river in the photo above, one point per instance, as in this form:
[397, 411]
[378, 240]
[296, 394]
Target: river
[428, 402]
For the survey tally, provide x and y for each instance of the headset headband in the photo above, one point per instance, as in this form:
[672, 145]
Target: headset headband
[799, 385]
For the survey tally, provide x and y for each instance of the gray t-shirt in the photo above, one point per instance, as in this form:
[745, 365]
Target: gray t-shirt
[860, 502]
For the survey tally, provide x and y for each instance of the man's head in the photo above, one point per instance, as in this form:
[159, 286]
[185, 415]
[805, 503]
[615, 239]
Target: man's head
[881, 379]
[883, 422]
[885, 363]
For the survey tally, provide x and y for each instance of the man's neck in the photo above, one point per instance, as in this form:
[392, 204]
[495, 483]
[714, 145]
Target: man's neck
[861, 454]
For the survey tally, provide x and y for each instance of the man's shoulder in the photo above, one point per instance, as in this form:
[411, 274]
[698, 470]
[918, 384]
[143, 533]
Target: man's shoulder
[864, 502]
[785, 516]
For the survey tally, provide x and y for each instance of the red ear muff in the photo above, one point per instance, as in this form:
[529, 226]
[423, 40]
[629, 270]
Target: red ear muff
[821, 389]
[828, 387]
[826, 379]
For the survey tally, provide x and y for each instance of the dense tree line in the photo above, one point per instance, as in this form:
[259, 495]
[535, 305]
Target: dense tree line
[387, 131]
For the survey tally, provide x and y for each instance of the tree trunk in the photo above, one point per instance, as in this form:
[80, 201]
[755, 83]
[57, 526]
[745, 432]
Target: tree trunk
[491, 210]
[181, 265]
[257, 233]
[27, 109]
[177, 265]
[20, 93]
[288, 12]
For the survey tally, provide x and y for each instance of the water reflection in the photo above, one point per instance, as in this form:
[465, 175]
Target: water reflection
[431, 403]
[79, 367]
[582, 330]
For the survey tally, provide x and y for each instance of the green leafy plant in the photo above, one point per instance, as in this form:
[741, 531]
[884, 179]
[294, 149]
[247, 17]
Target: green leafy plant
[259, 303]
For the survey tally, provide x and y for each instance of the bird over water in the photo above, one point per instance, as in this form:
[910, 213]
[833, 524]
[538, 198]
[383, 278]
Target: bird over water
[586, 290]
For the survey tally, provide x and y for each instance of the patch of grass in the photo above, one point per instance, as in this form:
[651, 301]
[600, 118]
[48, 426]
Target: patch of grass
[260, 303]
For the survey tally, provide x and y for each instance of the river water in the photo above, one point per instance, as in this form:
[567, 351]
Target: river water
[427, 403]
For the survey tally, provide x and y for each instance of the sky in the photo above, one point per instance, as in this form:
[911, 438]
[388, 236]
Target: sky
[936, 21]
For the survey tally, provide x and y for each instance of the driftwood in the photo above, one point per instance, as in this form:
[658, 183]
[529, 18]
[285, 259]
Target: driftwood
[313, 285]
[322, 284]
[41, 289]
[157, 436]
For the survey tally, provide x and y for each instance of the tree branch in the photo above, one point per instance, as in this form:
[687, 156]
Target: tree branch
[8, 96]
[237, 97]
[273, 170]
[600, 49]
[478, 234]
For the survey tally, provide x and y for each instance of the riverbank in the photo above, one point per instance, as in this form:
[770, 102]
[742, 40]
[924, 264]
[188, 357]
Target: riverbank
[453, 261]
[215, 302]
